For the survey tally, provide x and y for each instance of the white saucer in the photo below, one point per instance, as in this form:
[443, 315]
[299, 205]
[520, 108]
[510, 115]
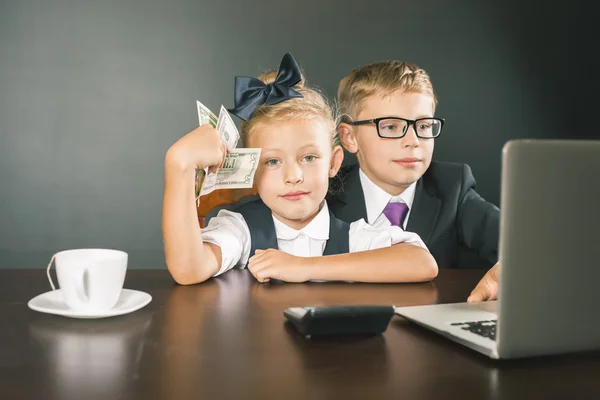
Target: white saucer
[53, 303]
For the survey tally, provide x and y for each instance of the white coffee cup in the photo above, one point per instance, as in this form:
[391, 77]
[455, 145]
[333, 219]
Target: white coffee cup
[90, 280]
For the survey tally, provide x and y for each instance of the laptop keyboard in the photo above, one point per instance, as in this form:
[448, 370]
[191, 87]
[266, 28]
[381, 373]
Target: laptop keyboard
[482, 328]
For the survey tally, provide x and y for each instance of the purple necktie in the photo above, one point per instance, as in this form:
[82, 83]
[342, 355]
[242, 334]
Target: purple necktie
[396, 213]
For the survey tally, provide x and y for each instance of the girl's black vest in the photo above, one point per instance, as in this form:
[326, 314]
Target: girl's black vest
[263, 236]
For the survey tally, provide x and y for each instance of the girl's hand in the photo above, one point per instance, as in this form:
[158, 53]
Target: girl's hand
[276, 264]
[198, 149]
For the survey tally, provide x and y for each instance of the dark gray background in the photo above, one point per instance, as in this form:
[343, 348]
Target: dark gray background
[93, 93]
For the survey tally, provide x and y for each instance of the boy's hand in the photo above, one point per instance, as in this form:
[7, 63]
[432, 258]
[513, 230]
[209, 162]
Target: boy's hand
[271, 263]
[199, 149]
[487, 288]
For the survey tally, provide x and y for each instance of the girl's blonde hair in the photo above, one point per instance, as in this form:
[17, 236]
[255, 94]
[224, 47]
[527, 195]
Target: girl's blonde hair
[313, 105]
[381, 78]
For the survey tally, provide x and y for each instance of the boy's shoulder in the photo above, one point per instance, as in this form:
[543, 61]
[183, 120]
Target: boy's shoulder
[444, 177]
[445, 170]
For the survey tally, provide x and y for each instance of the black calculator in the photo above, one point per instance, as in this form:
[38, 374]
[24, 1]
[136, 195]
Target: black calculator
[340, 320]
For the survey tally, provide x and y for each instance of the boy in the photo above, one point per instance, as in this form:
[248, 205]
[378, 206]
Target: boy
[387, 120]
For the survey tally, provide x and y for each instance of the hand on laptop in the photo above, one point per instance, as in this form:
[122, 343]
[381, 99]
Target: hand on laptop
[487, 288]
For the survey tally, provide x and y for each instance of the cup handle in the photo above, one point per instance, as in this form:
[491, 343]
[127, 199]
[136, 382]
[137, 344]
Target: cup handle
[48, 272]
[79, 288]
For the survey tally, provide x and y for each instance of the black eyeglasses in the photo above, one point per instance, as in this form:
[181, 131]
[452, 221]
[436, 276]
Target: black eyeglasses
[396, 128]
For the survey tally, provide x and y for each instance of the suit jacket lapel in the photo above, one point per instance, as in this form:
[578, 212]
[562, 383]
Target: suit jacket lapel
[353, 198]
[339, 237]
[424, 213]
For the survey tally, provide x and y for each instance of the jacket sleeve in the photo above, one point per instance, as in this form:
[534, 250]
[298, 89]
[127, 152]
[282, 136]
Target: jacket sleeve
[478, 220]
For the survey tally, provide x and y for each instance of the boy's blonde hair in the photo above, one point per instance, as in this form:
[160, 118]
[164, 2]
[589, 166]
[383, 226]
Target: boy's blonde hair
[381, 78]
[312, 105]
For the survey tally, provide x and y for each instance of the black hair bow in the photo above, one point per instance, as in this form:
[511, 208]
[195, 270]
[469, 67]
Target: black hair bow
[250, 93]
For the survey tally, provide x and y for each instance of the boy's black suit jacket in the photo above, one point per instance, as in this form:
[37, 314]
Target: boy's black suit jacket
[458, 226]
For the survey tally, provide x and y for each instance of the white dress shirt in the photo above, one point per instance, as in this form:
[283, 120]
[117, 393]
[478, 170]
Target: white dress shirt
[376, 199]
[230, 232]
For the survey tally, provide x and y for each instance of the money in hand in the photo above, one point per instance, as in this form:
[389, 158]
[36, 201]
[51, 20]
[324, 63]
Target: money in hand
[205, 116]
[237, 172]
[240, 164]
[227, 129]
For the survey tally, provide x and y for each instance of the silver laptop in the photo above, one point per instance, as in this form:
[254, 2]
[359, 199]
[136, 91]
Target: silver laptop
[549, 250]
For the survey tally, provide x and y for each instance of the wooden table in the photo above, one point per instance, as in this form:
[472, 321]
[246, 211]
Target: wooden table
[226, 339]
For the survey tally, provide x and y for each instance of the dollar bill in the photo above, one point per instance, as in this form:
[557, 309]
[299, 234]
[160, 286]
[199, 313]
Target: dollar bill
[240, 164]
[205, 116]
[237, 172]
[224, 124]
[227, 129]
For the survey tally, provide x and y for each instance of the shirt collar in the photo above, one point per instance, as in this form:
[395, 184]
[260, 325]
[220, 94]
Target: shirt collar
[376, 198]
[317, 229]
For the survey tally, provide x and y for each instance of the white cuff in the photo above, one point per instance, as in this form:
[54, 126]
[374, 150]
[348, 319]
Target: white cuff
[229, 231]
[366, 237]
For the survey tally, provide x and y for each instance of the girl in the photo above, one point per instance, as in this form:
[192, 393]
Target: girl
[289, 233]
